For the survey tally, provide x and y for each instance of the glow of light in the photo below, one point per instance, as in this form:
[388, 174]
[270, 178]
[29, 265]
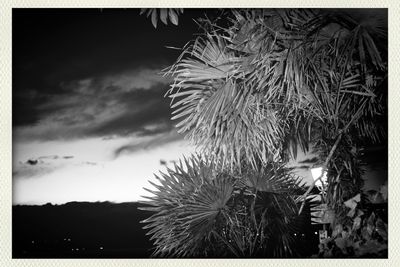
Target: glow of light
[316, 173]
[119, 179]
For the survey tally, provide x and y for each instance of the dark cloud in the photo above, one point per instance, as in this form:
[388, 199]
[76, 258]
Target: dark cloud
[121, 104]
[45, 159]
[147, 118]
[55, 47]
[34, 167]
[41, 160]
[32, 161]
[149, 144]
[38, 166]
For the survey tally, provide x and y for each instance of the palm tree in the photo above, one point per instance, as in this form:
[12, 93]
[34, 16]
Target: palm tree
[201, 212]
[249, 94]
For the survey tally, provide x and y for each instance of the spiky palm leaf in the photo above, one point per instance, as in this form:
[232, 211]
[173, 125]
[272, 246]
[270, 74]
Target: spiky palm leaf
[187, 202]
[233, 93]
[200, 212]
[241, 91]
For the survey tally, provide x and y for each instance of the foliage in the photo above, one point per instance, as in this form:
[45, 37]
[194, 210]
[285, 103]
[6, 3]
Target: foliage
[362, 233]
[250, 90]
[203, 213]
[276, 79]
[164, 14]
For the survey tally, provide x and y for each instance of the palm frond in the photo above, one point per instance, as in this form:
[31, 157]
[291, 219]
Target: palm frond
[164, 14]
[187, 202]
[199, 211]
[218, 112]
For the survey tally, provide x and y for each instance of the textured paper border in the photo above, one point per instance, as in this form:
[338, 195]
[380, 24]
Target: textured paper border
[6, 140]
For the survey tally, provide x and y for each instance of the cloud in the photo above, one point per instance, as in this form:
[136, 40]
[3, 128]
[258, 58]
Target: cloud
[50, 157]
[130, 102]
[136, 79]
[118, 179]
[152, 143]
[124, 81]
[147, 118]
[35, 167]
[32, 161]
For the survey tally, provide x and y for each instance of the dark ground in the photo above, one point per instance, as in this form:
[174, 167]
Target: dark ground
[95, 230]
[80, 230]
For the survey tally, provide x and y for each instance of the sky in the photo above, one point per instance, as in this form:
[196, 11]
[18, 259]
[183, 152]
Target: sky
[90, 121]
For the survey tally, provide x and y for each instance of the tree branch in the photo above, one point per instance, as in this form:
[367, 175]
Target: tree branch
[324, 168]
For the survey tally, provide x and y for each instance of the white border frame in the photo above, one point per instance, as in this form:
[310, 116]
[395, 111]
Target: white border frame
[6, 140]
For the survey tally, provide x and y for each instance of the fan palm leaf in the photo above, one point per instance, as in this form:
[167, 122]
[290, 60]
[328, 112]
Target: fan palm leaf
[200, 211]
[187, 201]
[236, 101]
